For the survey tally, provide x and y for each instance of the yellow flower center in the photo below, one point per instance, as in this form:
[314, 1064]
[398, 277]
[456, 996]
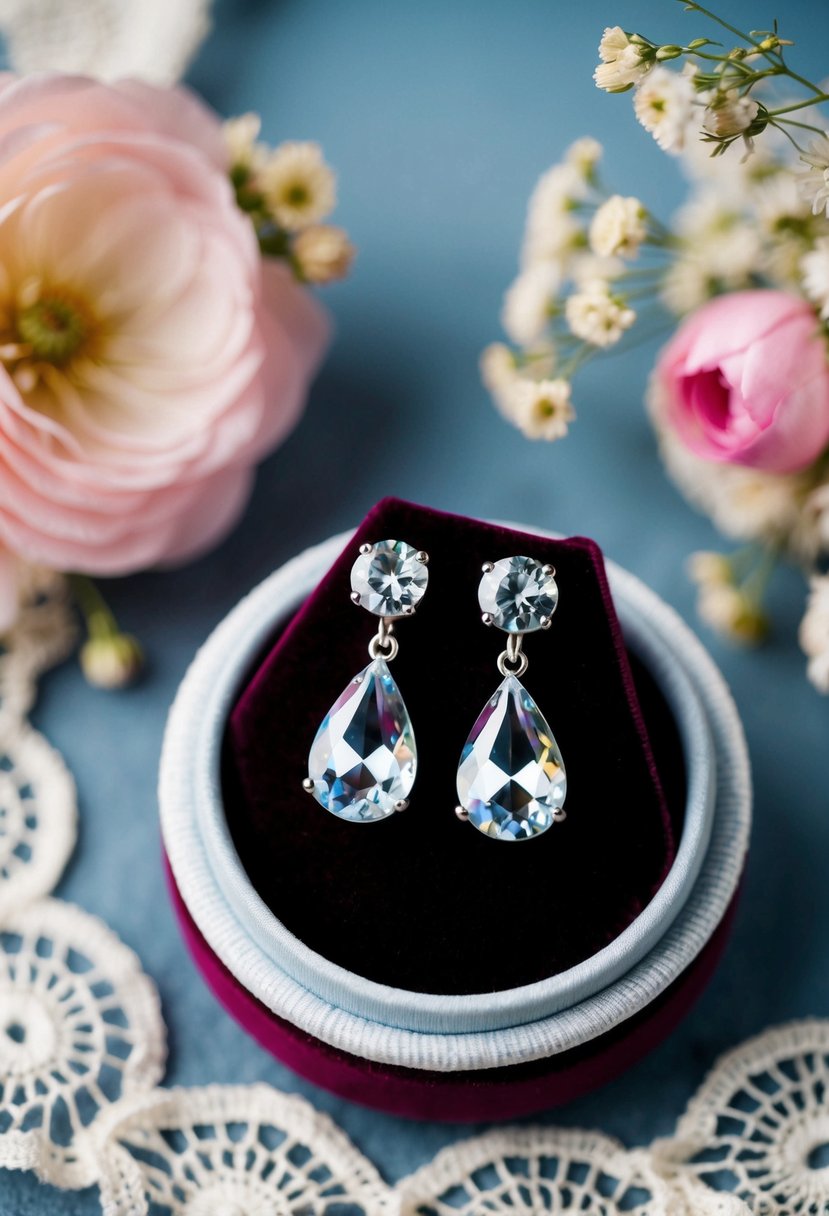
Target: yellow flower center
[54, 327]
[297, 195]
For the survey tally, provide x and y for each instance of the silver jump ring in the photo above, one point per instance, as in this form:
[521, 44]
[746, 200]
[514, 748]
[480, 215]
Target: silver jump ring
[512, 664]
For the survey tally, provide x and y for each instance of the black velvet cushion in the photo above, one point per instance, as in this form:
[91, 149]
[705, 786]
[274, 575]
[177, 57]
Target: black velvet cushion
[420, 900]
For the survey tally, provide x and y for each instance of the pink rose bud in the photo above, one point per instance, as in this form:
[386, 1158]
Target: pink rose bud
[745, 380]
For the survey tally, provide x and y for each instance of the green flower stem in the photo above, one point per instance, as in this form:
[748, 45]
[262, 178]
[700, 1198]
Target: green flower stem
[799, 105]
[98, 616]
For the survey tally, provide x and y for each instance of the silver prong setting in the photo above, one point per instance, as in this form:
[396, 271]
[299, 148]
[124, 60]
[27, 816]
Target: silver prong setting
[488, 567]
[559, 814]
[402, 805]
[409, 610]
[546, 622]
[549, 570]
[422, 556]
[366, 548]
[462, 813]
[355, 597]
[487, 618]
[308, 785]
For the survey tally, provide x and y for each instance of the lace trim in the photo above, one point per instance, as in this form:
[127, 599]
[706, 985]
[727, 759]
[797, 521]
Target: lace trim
[80, 1027]
[220, 1149]
[82, 1045]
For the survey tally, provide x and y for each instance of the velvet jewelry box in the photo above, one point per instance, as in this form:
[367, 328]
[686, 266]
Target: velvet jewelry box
[413, 964]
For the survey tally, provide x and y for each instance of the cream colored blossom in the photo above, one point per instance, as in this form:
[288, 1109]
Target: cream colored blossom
[112, 661]
[729, 612]
[721, 251]
[323, 253]
[815, 182]
[710, 569]
[663, 104]
[815, 268]
[499, 374]
[619, 227]
[298, 186]
[814, 632]
[528, 303]
[542, 409]
[553, 231]
[583, 155]
[810, 535]
[596, 316]
[728, 114]
[623, 63]
[241, 140]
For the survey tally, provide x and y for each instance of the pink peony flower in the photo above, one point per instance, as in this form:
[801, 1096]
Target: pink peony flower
[149, 356]
[745, 380]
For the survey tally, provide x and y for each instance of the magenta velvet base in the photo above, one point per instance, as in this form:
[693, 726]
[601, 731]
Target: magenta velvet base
[503, 1093]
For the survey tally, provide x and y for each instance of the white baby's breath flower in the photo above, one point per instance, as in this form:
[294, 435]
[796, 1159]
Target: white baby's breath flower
[710, 569]
[542, 409]
[323, 253]
[499, 374]
[663, 104]
[583, 155]
[619, 227]
[815, 183]
[240, 136]
[528, 303]
[553, 231]
[114, 660]
[810, 534]
[623, 63]
[596, 316]
[728, 114]
[815, 269]
[722, 252]
[729, 612]
[299, 187]
[814, 632]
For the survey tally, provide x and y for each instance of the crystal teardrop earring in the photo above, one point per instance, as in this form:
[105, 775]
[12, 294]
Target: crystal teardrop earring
[363, 760]
[511, 778]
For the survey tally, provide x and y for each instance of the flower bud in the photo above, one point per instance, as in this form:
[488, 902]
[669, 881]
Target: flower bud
[668, 52]
[111, 660]
[323, 253]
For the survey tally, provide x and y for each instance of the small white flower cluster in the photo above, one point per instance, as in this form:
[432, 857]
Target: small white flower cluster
[814, 633]
[288, 191]
[756, 221]
[565, 301]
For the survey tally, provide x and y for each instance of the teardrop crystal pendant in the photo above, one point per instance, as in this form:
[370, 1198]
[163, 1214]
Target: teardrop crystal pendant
[363, 760]
[511, 778]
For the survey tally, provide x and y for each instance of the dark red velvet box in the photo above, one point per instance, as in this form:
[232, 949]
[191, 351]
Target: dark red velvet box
[422, 902]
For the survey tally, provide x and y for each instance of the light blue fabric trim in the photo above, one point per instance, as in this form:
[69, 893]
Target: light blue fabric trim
[447, 1032]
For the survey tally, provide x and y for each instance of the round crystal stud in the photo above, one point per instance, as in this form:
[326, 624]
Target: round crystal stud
[518, 595]
[390, 579]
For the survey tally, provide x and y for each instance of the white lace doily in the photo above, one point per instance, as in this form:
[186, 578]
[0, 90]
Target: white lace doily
[80, 1026]
[234, 1151]
[759, 1124]
[150, 39]
[43, 636]
[536, 1169]
[37, 817]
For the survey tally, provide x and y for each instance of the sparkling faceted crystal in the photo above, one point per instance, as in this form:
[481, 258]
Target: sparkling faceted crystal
[363, 759]
[511, 777]
[390, 579]
[518, 594]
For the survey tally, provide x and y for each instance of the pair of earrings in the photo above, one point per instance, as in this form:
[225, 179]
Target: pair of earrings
[511, 781]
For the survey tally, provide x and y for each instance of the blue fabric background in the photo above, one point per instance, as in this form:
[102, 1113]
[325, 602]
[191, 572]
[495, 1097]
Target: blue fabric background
[439, 117]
